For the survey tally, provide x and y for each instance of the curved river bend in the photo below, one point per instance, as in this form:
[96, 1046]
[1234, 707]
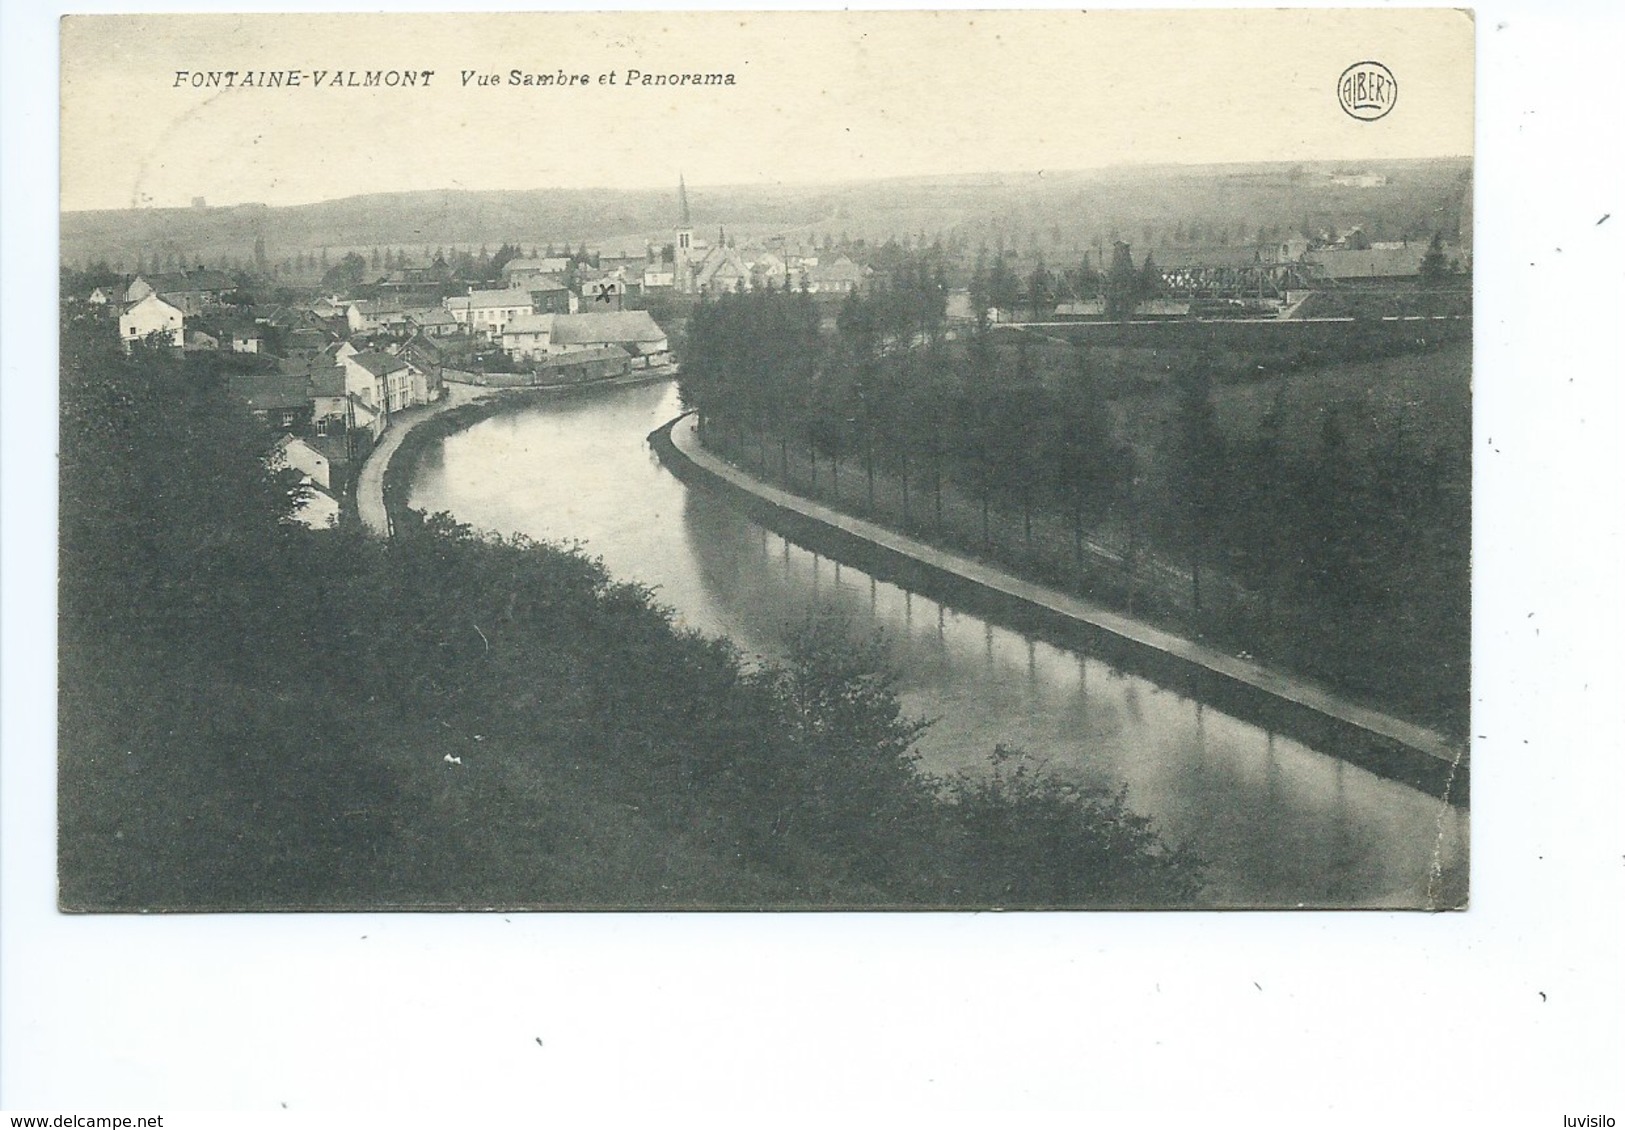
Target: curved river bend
[1282, 824]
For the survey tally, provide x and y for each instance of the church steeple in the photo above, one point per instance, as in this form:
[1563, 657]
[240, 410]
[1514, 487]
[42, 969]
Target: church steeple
[684, 243]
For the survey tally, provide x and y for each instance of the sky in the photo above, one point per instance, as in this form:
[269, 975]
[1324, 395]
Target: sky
[817, 97]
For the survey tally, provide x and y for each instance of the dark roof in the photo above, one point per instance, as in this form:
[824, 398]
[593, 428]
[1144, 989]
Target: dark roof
[327, 378]
[1175, 258]
[548, 264]
[179, 282]
[378, 307]
[606, 326]
[434, 316]
[272, 391]
[378, 364]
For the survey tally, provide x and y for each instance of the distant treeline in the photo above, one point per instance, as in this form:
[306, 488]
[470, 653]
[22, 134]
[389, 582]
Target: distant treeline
[1316, 557]
[1059, 214]
[257, 715]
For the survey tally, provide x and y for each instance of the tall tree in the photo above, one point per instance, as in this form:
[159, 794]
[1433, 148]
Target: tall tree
[1122, 284]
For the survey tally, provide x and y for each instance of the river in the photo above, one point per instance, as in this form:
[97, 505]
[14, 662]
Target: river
[1282, 824]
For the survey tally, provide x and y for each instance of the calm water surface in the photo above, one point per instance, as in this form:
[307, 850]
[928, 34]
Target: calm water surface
[1283, 824]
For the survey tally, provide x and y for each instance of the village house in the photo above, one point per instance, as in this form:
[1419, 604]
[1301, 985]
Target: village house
[329, 309]
[660, 275]
[280, 401]
[768, 272]
[840, 277]
[602, 289]
[625, 262]
[523, 272]
[113, 295]
[293, 453]
[304, 341]
[314, 504]
[152, 315]
[632, 330]
[484, 313]
[549, 295]
[192, 292]
[392, 376]
[528, 337]
[433, 321]
[345, 401]
[546, 337]
[244, 337]
[375, 315]
[427, 356]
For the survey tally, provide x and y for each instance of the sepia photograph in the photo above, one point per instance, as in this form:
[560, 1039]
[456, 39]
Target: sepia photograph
[669, 565]
[691, 461]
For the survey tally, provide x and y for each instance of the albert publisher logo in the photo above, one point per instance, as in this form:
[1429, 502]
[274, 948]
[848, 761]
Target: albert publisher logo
[1367, 91]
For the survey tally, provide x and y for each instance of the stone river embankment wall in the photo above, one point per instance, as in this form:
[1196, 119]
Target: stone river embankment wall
[1389, 746]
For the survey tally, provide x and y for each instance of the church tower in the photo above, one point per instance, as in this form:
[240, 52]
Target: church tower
[684, 242]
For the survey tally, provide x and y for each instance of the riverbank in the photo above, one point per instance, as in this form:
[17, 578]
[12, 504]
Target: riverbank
[1389, 746]
[371, 491]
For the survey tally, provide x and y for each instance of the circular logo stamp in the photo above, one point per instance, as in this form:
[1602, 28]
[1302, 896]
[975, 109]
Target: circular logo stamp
[1367, 90]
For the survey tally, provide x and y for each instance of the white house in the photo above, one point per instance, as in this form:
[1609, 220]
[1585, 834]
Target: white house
[152, 315]
[391, 378]
[528, 337]
[345, 396]
[291, 451]
[485, 312]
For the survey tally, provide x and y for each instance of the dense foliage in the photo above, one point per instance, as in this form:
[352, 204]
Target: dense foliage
[257, 715]
[1331, 556]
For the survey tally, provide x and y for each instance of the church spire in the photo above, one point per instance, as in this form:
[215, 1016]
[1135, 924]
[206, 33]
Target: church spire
[682, 202]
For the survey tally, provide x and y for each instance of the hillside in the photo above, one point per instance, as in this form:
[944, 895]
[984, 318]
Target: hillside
[1059, 214]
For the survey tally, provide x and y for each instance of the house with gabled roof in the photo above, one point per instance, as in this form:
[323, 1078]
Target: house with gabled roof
[152, 315]
[392, 377]
[376, 315]
[314, 504]
[549, 295]
[346, 402]
[528, 337]
[190, 291]
[840, 277]
[632, 330]
[291, 451]
[433, 321]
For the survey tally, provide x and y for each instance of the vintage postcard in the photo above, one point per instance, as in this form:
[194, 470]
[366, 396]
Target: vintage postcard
[824, 460]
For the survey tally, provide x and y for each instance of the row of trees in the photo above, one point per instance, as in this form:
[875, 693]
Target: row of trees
[892, 392]
[1309, 555]
[1123, 286]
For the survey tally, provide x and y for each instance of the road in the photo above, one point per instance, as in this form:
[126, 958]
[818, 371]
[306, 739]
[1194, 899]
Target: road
[369, 487]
